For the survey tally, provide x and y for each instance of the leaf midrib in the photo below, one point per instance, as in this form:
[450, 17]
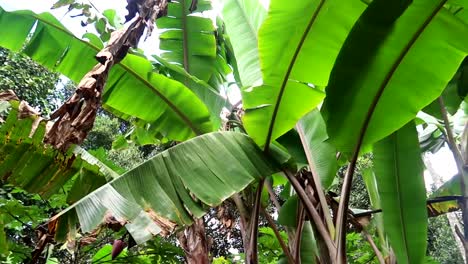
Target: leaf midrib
[288, 72]
[390, 74]
[184, 117]
[402, 221]
[246, 18]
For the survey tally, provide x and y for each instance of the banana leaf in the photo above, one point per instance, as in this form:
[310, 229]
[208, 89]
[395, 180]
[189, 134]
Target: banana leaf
[243, 19]
[132, 91]
[213, 100]
[450, 188]
[322, 153]
[383, 76]
[27, 163]
[172, 188]
[400, 182]
[187, 39]
[298, 44]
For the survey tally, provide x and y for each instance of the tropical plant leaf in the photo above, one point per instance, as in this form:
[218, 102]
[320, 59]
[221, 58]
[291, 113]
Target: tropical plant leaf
[449, 188]
[288, 213]
[431, 138]
[372, 190]
[393, 56]
[191, 41]
[462, 83]
[225, 61]
[104, 255]
[322, 153]
[172, 187]
[307, 146]
[212, 99]
[27, 163]
[243, 19]
[458, 8]
[399, 173]
[188, 40]
[292, 143]
[298, 44]
[452, 98]
[62, 3]
[309, 249]
[132, 90]
[288, 217]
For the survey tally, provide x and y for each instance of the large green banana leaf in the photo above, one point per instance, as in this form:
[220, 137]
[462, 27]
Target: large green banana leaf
[132, 90]
[243, 19]
[26, 162]
[173, 187]
[298, 44]
[187, 39]
[390, 67]
[193, 42]
[399, 173]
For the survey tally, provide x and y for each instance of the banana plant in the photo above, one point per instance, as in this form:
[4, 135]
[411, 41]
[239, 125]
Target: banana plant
[322, 82]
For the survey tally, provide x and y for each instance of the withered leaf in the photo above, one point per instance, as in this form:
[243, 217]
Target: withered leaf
[132, 7]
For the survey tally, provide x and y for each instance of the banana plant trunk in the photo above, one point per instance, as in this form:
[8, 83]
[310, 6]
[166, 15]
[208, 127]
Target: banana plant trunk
[195, 244]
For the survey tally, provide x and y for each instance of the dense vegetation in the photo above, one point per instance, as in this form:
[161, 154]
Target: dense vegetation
[110, 155]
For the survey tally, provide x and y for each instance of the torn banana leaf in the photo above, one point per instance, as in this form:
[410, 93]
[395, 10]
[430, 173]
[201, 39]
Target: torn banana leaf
[26, 162]
[188, 40]
[172, 188]
[448, 189]
[133, 89]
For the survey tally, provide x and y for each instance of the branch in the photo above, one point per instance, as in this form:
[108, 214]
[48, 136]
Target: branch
[19, 220]
[317, 182]
[429, 202]
[374, 247]
[450, 138]
[343, 206]
[298, 238]
[271, 192]
[312, 212]
[244, 215]
[273, 226]
[461, 170]
[252, 256]
[240, 206]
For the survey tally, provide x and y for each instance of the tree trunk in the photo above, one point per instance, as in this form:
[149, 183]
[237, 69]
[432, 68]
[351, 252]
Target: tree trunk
[194, 243]
[245, 224]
